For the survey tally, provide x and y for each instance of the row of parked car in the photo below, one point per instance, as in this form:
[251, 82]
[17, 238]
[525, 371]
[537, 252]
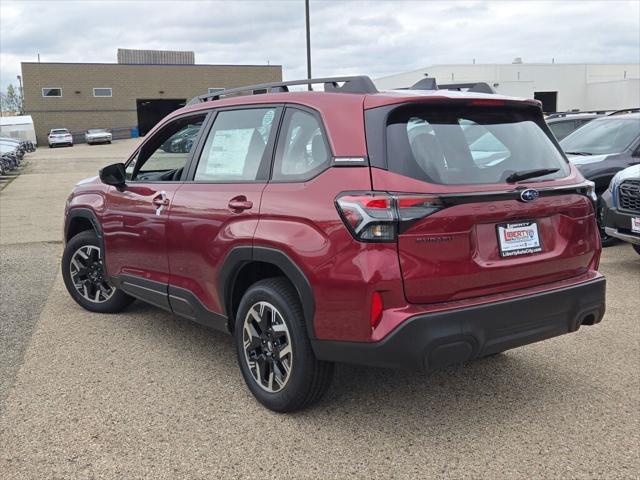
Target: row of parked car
[605, 147]
[12, 151]
[62, 137]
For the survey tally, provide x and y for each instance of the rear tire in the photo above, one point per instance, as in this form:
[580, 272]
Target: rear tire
[83, 274]
[274, 351]
[636, 248]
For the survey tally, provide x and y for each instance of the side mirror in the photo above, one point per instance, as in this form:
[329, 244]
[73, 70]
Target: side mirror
[113, 175]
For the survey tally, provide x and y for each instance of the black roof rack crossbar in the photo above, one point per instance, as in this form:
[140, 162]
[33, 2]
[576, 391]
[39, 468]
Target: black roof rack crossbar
[353, 84]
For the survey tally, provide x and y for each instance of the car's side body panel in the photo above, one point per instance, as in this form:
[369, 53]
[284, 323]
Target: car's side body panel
[298, 219]
[201, 232]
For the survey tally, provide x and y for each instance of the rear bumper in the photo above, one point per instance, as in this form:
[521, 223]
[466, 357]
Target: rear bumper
[430, 341]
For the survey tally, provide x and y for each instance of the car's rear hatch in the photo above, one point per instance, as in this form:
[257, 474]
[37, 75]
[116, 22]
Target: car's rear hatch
[464, 230]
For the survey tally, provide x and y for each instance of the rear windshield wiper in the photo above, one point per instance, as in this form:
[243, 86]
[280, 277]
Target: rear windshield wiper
[578, 153]
[526, 174]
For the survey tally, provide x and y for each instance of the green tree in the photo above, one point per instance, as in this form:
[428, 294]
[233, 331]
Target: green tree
[11, 101]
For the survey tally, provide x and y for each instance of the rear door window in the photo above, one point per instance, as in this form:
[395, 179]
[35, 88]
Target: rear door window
[468, 145]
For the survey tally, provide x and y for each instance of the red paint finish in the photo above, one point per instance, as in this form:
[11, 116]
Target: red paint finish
[203, 228]
[454, 254]
[301, 220]
[135, 230]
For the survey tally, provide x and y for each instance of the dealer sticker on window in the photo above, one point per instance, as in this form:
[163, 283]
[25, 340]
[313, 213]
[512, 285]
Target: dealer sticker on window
[518, 239]
[635, 224]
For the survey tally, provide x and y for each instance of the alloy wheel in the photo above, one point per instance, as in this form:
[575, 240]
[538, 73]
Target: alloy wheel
[87, 275]
[267, 347]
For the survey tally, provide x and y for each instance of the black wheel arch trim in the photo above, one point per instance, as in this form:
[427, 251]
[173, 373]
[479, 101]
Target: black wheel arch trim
[239, 256]
[86, 213]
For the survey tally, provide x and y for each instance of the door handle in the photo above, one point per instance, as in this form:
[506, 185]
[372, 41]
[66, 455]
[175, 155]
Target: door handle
[240, 203]
[160, 201]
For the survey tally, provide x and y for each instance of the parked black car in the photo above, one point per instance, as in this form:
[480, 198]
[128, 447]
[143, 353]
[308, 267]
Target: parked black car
[563, 124]
[182, 141]
[621, 207]
[601, 149]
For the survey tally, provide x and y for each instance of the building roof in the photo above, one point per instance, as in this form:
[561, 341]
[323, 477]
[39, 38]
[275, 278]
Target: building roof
[16, 120]
[154, 64]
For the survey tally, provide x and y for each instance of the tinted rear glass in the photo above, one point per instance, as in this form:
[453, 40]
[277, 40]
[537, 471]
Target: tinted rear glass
[468, 145]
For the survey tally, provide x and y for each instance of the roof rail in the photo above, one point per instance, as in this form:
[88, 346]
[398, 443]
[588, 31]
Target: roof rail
[577, 112]
[353, 84]
[626, 110]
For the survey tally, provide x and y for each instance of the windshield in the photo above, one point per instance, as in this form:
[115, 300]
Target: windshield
[603, 136]
[58, 131]
[469, 145]
[96, 130]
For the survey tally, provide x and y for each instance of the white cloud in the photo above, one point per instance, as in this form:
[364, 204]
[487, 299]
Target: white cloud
[376, 37]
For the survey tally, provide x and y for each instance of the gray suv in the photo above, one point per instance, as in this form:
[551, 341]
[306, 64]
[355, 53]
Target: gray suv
[601, 149]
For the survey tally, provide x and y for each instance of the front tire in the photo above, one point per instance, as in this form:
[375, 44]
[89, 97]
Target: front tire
[636, 248]
[85, 279]
[274, 351]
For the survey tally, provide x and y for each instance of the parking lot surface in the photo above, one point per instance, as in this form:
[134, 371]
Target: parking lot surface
[145, 394]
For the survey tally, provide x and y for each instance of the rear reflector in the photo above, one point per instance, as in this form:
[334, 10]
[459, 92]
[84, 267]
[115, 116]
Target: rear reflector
[376, 309]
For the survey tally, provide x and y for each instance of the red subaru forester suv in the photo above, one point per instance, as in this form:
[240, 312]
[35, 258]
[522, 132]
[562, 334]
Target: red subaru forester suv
[409, 228]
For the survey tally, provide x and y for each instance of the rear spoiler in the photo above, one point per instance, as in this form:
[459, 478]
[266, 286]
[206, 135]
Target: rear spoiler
[430, 84]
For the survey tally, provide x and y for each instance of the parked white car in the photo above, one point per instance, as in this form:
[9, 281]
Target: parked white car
[60, 136]
[97, 135]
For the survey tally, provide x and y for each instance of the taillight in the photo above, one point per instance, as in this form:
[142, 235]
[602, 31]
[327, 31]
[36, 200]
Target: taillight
[370, 216]
[379, 216]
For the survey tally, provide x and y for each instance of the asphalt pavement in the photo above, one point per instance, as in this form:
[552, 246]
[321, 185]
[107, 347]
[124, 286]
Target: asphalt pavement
[145, 394]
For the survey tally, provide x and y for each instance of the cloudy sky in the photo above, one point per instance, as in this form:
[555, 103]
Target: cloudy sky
[374, 37]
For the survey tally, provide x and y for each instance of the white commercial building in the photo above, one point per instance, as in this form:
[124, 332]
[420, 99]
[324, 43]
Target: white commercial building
[559, 86]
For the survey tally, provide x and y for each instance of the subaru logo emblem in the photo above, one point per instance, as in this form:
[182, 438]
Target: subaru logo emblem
[529, 195]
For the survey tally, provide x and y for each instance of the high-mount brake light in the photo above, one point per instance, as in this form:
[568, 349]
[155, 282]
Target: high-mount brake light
[487, 102]
[379, 216]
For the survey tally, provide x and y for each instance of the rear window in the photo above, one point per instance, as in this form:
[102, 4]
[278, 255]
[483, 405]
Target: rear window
[58, 131]
[468, 145]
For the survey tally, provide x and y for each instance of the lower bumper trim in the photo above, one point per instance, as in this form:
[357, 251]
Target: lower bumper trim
[427, 342]
[627, 237]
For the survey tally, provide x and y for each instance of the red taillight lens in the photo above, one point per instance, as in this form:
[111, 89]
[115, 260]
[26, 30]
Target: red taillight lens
[370, 216]
[378, 217]
[376, 309]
